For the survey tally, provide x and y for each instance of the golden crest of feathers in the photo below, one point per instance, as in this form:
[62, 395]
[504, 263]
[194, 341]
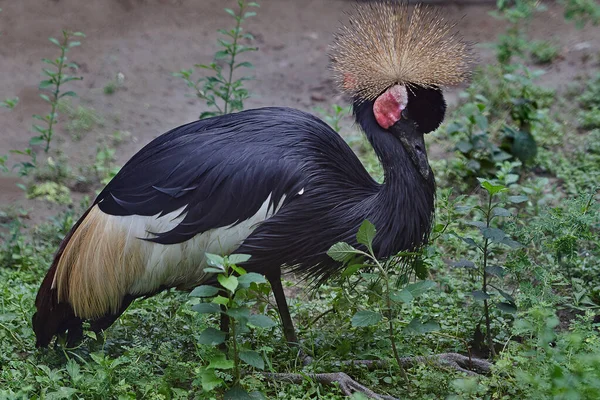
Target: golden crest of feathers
[383, 45]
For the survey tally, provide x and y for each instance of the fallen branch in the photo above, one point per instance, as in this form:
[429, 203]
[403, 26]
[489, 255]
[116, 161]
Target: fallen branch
[347, 384]
[470, 366]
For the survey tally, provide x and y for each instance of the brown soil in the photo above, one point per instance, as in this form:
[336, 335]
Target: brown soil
[146, 40]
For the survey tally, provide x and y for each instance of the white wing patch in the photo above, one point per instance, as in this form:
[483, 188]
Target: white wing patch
[182, 265]
[106, 258]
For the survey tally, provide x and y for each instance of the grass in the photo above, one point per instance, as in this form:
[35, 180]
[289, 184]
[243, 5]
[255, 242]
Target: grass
[546, 344]
[81, 119]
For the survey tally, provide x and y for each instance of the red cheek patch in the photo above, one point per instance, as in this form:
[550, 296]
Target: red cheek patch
[388, 107]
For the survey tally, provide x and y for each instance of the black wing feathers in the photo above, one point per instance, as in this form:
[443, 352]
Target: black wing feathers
[221, 170]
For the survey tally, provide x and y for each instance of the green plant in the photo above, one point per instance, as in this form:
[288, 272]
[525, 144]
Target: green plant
[334, 116]
[81, 119]
[543, 51]
[491, 237]
[10, 103]
[385, 297]
[231, 300]
[513, 42]
[220, 91]
[590, 119]
[52, 191]
[582, 11]
[56, 77]
[103, 166]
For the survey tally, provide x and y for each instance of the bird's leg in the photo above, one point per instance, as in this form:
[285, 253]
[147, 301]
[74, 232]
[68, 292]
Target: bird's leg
[284, 312]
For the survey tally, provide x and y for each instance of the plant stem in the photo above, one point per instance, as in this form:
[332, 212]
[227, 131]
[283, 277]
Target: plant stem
[486, 309]
[56, 92]
[233, 54]
[236, 361]
[391, 322]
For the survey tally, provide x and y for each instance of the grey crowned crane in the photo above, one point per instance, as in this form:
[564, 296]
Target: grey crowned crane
[275, 183]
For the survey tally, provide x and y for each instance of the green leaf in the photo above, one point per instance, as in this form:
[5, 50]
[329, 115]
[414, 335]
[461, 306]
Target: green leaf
[249, 14]
[69, 93]
[241, 271]
[490, 187]
[245, 64]
[219, 55]
[366, 318]
[464, 264]
[501, 212]
[252, 358]
[216, 261]
[206, 308]
[366, 234]
[228, 282]
[204, 291]
[507, 307]
[341, 251]
[469, 241]
[494, 234]
[211, 270]
[54, 41]
[251, 277]
[479, 224]
[209, 380]
[241, 314]
[238, 258]
[416, 326]
[211, 337]
[220, 300]
[39, 129]
[517, 199]
[464, 146]
[401, 296]
[219, 361]
[230, 12]
[524, 146]
[74, 44]
[261, 321]
[237, 393]
[463, 209]
[351, 270]
[513, 244]
[36, 140]
[480, 295]
[495, 270]
[506, 295]
[421, 269]
[45, 84]
[418, 288]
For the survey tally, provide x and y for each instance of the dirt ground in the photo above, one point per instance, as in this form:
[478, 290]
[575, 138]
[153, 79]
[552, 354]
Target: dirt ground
[146, 40]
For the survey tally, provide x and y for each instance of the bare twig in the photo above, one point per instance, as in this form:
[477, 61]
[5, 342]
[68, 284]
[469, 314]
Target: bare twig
[347, 385]
[470, 366]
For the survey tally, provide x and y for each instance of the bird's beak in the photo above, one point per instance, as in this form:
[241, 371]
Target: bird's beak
[414, 143]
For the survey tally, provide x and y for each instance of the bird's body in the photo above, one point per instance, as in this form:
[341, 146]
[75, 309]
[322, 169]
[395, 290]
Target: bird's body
[274, 183]
[277, 184]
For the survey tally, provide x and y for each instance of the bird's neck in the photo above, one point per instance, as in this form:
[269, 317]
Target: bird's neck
[405, 200]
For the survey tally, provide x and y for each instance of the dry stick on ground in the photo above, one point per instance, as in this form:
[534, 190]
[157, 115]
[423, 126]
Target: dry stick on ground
[470, 366]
